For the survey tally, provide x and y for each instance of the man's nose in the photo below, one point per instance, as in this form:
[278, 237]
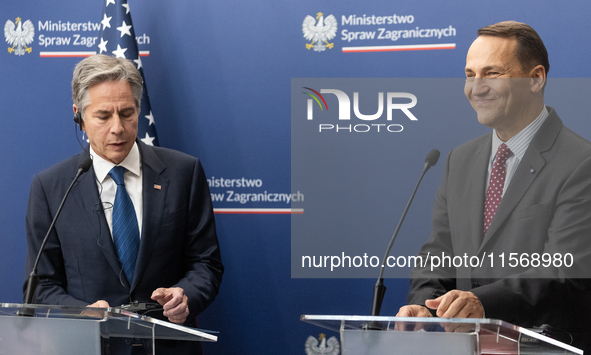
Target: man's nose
[480, 86]
[116, 125]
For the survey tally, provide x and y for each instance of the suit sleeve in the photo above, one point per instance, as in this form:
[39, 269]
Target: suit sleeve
[52, 276]
[202, 257]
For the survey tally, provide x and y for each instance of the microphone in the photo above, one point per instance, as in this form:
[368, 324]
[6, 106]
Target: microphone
[33, 279]
[87, 163]
[379, 289]
[431, 159]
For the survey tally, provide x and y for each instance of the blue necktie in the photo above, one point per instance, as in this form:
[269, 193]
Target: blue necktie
[126, 234]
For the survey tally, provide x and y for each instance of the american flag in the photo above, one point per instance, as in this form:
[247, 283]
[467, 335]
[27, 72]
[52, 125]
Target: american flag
[117, 38]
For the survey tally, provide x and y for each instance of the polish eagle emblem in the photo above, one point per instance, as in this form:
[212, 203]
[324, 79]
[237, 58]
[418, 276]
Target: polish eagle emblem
[18, 35]
[322, 347]
[319, 32]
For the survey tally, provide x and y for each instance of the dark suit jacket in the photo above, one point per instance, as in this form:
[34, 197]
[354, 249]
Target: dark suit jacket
[178, 247]
[546, 209]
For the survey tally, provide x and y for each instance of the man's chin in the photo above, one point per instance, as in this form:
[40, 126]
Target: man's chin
[486, 119]
[116, 156]
[115, 159]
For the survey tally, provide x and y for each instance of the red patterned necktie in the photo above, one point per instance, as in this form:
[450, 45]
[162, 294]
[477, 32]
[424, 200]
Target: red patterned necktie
[494, 194]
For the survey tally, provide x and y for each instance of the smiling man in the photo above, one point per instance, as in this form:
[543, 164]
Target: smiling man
[138, 226]
[524, 188]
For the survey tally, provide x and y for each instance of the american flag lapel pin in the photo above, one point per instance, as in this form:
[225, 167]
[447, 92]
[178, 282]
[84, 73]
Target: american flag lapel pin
[157, 187]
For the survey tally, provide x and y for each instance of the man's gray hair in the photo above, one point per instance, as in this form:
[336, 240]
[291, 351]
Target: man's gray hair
[98, 69]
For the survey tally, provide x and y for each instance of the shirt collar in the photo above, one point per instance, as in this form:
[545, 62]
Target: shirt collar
[102, 167]
[520, 142]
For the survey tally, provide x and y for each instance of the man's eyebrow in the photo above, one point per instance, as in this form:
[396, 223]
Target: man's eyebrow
[103, 112]
[487, 68]
[493, 67]
[127, 109]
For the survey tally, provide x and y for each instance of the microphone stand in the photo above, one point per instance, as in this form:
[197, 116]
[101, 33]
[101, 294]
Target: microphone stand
[379, 289]
[33, 279]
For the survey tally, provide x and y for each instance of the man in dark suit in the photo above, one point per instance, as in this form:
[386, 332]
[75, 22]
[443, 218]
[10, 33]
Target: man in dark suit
[524, 189]
[138, 225]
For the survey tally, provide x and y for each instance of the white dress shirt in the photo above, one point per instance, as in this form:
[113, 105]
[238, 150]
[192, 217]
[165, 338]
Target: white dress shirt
[107, 187]
[518, 145]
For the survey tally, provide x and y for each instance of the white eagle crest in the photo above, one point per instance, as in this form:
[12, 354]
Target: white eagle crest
[319, 32]
[326, 347]
[19, 37]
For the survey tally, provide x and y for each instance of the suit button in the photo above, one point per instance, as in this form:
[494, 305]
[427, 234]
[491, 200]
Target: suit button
[128, 341]
[475, 284]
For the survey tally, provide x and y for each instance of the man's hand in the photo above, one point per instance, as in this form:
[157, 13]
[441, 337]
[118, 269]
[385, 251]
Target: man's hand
[457, 304]
[96, 314]
[99, 304]
[413, 311]
[174, 301]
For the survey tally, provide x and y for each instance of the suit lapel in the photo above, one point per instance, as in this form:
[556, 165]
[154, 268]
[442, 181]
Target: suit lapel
[530, 166]
[85, 193]
[476, 186]
[154, 188]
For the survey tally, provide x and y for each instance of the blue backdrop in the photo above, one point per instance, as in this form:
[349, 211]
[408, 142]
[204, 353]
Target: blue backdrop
[219, 76]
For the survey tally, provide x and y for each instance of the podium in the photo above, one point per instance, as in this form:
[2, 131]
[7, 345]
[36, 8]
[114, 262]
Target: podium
[65, 330]
[441, 336]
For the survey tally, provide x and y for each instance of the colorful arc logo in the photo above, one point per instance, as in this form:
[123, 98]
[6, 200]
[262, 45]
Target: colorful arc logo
[315, 98]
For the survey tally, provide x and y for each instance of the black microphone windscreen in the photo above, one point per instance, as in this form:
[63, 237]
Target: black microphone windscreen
[86, 164]
[432, 157]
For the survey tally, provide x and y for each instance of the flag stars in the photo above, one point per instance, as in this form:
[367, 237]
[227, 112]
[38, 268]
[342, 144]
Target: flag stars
[148, 140]
[117, 38]
[106, 22]
[138, 62]
[103, 46]
[124, 29]
[119, 52]
[150, 118]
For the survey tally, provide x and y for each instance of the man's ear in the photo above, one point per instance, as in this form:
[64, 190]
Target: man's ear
[538, 76]
[78, 117]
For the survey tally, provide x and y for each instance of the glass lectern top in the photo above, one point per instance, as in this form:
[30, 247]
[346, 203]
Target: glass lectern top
[492, 336]
[114, 322]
